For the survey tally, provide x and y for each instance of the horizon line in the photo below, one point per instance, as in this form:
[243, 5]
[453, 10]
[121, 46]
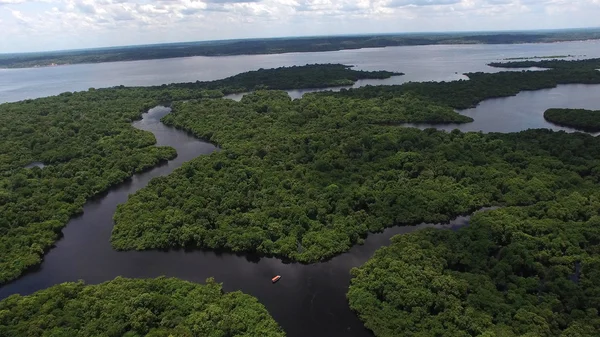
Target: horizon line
[300, 37]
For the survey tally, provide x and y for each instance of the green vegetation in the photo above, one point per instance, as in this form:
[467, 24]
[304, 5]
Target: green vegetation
[586, 120]
[589, 64]
[539, 57]
[284, 45]
[517, 271]
[528, 269]
[465, 94]
[88, 144]
[295, 77]
[159, 307]
[309, 178]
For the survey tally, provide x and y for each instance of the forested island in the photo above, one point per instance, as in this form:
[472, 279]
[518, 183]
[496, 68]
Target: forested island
[517, 271]
[87, 143]
[581, 119]
[286, 45]
[553, 64]
[159, 307]
[307, 179]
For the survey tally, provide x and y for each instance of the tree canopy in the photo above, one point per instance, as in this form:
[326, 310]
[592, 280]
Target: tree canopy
[307, 179]
[581, 119]
[87, 143]
[161, 307]
[515, 271]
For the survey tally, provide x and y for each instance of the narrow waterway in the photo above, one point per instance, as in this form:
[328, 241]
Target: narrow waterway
[308, 301]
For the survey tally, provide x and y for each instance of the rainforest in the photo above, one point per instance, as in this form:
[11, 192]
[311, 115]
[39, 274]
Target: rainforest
[581, 119]
[159, 307]
[87, 143]
[305, 180]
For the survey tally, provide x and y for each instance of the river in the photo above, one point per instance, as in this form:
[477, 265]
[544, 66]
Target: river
[310, 299]
[419, 63]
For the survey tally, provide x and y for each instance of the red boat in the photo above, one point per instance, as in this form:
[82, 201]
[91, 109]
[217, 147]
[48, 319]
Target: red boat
[276, 278]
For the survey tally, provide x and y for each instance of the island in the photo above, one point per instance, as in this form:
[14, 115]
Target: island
[516, 271]
[592, 63]
[286, 45]
[160, 307]
[580, 119]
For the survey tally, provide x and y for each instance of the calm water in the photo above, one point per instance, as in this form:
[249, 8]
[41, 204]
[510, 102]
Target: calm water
[422, 63]
[525, 110]
[310, 299]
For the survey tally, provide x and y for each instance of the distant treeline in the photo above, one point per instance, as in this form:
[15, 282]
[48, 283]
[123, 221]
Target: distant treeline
[554, 64]
[295, 77]
[282, 45]
[586, 120]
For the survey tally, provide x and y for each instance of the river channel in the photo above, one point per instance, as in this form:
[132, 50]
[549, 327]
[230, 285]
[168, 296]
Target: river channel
[310, 299]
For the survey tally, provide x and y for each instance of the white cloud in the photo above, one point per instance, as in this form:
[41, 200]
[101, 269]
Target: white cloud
[58, 24]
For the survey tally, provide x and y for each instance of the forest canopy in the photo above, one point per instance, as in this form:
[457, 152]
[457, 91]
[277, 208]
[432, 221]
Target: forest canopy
[161, 307]
[307, 179]
[581, 119]
[516, 271]
[87, 143]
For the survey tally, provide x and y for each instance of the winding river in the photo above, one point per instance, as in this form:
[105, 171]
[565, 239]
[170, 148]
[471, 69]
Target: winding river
[310, 299]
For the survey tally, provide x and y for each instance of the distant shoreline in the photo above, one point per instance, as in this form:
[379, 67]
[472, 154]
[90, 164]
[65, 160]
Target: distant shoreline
[281, 46]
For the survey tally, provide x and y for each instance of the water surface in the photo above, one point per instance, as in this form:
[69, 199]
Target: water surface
[419, 63]
[525, 110]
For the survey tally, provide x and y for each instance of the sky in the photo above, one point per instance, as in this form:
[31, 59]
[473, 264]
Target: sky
[38, 25]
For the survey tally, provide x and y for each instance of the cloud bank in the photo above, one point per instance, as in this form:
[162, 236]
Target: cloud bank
[27, 25]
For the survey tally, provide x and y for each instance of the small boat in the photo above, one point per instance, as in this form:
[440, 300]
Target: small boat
[276, 278]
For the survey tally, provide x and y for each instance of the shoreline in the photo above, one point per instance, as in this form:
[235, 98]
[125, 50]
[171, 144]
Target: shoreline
[466, 43]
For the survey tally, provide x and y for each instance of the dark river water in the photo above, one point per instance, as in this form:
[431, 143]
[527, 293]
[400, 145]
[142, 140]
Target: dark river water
[310, 299]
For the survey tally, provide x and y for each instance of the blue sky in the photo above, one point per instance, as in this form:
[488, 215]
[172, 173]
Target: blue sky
[65, 24]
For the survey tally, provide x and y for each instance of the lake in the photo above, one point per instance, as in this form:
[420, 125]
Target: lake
[419, 63]
[309, 300]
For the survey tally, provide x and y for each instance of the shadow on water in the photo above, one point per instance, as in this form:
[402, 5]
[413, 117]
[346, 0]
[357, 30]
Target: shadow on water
[309, 301]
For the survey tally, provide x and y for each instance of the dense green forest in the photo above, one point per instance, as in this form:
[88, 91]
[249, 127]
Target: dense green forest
[284, 45]
[88, 144]
[159, 307]
[581, 119]
[516, 271]
[294, 77]
[309, 178]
